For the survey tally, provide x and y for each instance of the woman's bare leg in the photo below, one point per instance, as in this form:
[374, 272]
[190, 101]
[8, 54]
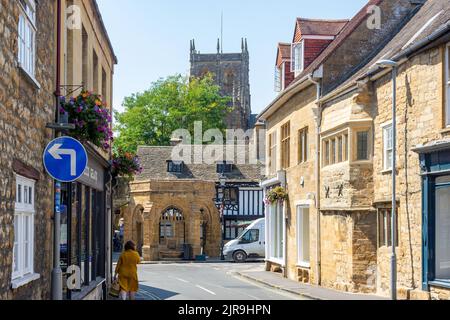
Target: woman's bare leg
[132, 295]
[123, 295]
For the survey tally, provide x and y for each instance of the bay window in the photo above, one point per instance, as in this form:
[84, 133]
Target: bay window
[362, 145]
[27, 36]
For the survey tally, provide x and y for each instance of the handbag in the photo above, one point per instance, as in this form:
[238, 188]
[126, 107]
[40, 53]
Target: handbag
[114, 290]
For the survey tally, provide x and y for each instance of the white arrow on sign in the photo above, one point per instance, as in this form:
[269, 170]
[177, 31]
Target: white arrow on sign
[56, 152]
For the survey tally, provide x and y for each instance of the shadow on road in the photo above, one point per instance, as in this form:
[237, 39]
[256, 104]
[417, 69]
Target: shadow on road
[151, 293]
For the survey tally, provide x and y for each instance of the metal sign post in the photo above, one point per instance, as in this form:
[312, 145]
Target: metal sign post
[65, 160]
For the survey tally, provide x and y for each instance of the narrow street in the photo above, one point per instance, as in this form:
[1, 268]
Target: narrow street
[204, 282]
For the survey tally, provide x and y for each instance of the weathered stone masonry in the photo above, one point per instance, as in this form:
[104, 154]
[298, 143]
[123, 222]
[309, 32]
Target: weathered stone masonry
[24, 112]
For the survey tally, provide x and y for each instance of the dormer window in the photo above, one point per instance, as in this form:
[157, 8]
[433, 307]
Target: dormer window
[298, 57]
[278, 79]
[280, 76]
[175, 166]
[224, 167]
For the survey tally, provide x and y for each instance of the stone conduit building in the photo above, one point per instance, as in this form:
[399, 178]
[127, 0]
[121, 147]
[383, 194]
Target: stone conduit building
[171, 204]
[343, 191]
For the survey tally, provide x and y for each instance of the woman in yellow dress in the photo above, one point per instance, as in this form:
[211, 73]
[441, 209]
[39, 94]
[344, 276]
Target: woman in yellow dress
[127, 270]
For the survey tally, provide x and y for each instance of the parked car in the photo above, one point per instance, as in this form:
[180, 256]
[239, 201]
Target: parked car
[251, 244]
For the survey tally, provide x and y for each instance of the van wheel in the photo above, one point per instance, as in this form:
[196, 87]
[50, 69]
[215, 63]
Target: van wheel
[239, 256]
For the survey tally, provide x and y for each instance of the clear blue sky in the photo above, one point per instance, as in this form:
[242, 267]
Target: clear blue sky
[151, 37]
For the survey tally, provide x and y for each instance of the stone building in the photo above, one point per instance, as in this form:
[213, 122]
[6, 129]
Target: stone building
[28, 89]
[87, 63]
[27, 73]
[349, 242]
[231, 73]
[172, 203]
[421, 49]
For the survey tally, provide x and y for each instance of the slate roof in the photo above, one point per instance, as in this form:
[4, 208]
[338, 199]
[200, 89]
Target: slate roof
[348, 29]
[284, 49]
[320, 27]
[433, 15]
[154, 163]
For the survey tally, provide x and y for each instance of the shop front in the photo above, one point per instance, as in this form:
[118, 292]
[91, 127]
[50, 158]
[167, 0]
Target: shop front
[84, 233]
[435, 165]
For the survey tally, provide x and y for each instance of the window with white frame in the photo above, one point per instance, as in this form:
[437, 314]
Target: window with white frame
[278, 84]
[387, 147]
[27, 36]
[276, 232]
[298, 54]
[303, 237]
[23, 252]
[447, 84]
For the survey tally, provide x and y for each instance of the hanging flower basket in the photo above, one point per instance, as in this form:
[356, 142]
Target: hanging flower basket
[125, 164]
[91, 118]
[277, 194]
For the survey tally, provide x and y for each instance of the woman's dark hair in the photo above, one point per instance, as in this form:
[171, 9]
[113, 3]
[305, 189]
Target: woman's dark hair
[130, 246]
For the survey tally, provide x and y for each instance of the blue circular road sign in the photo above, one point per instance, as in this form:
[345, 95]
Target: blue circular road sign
[65, 159]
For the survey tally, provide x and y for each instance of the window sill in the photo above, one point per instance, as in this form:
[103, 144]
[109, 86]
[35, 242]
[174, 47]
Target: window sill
[440, 283]
[304, 265]
[445, 130]
[20, 282]
[386, 172]
[276, 261]
[29, 77]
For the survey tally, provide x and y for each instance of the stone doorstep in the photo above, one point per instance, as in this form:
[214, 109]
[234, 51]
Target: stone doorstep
[306, 294]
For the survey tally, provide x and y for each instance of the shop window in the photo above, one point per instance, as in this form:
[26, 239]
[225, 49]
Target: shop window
[385, 228]
[442, 233]
[273, 153]
[23, 250]
[387, 147]
[362, 145]
[303, 237]
[285, 145]
[303, 145]
[27, 36]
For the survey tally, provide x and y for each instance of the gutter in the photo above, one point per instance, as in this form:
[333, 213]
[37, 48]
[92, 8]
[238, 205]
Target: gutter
[318, 118]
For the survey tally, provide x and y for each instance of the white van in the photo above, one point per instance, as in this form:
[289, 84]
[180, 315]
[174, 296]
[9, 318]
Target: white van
[251, 244]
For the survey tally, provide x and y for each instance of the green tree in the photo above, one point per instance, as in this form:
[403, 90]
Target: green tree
[173, 103]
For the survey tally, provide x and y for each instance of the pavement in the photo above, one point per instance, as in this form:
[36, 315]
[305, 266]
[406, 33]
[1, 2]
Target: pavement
[276, 280]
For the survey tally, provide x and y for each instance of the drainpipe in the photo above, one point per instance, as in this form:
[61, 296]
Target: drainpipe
[317, 178]
[57, 284]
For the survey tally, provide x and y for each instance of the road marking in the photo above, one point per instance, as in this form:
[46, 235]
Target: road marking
[209, 291]
[179, 279]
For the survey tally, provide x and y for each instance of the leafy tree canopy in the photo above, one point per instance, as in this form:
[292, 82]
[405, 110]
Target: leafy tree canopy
[170, 104]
